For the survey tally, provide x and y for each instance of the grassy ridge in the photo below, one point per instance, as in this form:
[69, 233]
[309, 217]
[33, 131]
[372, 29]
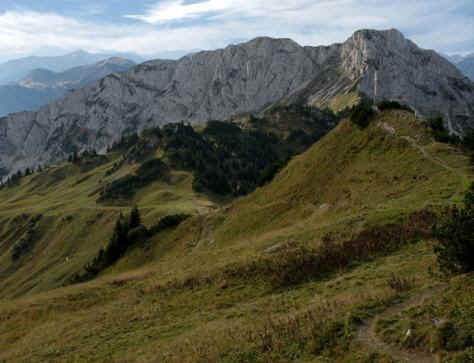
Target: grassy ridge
[211, 289]
[352, 178]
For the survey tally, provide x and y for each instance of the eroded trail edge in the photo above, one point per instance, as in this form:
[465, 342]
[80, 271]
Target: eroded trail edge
[367, 336]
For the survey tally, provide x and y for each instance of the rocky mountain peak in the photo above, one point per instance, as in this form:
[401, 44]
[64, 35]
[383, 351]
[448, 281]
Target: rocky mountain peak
[268, 42]
[393, 35]
[409, 74]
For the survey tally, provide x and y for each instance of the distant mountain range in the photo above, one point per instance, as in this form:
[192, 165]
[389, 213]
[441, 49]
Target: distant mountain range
[464, 63]
[42, 86]
[75, 77]
[248, 77]
[17, 69]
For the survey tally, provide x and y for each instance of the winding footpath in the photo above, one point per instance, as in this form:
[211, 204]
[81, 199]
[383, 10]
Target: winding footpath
[427, 156]
[367, 336]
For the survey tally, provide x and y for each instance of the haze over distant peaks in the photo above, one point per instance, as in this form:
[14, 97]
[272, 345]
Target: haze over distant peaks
[75, 77]
[17, 69]
[42, 86]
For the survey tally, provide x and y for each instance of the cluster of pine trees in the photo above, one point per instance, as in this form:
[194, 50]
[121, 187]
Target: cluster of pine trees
[116, 248]
[128, 231]
[76, 157]
[15, 178]
[226, 159]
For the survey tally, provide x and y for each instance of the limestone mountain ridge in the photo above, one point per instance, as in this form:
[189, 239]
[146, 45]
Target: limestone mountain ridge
[243, 78]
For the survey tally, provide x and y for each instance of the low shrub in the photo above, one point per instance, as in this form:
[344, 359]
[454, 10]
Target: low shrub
[440, 133]
[168, 222]
[455, 249]
[362, 114]
[301, 264]
[295, 264]
[399, 284]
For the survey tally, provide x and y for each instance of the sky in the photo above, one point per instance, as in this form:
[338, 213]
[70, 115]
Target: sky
[154, 28]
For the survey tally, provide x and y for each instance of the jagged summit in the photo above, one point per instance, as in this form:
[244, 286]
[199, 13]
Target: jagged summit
[240, 78]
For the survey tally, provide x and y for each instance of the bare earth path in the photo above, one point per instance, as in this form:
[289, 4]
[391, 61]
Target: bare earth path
[366, 334]
[428, 156]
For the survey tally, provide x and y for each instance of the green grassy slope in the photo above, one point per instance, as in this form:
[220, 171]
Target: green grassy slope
[352, 178]
[74, 226]
[350, 181]
[208, 291]
[76, 220]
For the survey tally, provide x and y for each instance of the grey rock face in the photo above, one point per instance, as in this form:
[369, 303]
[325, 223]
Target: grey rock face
[420, 78]
[238, 79]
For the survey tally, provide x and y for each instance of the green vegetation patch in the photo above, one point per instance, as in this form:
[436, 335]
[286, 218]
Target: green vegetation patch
[362, 113]
[456, 238]
[125, 187]
[128, 232]
[27, 242]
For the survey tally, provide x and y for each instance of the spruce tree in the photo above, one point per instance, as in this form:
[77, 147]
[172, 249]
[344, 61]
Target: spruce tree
[119, 243]
[135, 219]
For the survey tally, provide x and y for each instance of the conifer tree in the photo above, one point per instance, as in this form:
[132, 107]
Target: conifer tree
[135, 219]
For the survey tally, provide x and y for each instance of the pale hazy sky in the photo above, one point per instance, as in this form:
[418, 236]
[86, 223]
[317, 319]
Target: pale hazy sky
[150, 27]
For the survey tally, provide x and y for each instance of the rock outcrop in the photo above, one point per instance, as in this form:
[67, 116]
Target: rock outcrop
[421, 78]
[238, 79]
